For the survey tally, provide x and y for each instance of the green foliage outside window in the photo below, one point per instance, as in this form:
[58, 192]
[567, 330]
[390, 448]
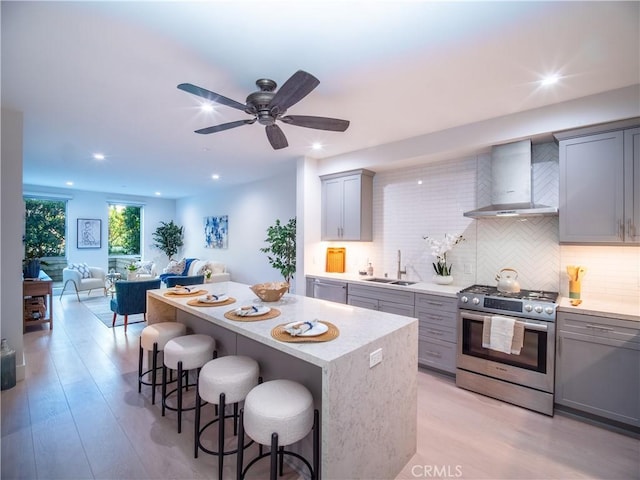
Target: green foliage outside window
[45, 223]
[124, 230]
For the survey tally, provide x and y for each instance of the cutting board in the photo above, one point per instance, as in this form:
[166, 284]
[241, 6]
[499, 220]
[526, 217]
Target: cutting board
[336, 259]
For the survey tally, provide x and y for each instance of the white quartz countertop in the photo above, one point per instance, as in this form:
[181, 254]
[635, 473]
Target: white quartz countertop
[419, 287]
[358, 327]
[603, 307]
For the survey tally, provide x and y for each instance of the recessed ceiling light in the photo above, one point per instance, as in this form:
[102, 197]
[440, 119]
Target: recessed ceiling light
[215, 176]
[316, 146]
[158, 194]
[419, 182]
[69, 184]
[550, 80]
[206, 107]
[98, 156]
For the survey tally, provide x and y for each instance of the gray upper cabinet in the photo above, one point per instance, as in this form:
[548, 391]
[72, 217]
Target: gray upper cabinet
[347, 206]
[599, 188]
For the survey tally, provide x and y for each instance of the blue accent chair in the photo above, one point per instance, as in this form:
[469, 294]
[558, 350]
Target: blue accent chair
[131, 298]
[184, 280]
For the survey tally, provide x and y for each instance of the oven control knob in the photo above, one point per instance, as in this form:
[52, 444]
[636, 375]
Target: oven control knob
[538, 309]
[548, 311]
[528, 308]
[464, 299]
[476, 300]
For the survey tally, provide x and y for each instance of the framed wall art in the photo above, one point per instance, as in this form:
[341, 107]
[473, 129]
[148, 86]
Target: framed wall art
[216, 232]
[89, 233]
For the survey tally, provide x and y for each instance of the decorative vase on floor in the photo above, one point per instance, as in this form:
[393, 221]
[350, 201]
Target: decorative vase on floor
[443, 279]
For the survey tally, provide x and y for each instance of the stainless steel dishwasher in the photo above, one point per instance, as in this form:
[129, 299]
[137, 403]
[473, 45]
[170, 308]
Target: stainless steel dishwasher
[331, 290]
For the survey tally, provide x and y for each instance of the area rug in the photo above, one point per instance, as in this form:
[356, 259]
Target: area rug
[99, 306]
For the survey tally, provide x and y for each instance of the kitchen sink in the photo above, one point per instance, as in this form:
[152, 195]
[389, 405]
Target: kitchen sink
[404, 283]
[379, 280]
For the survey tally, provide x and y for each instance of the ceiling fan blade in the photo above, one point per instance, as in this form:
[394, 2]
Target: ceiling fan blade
[225, 126]
[320, 123]
[299, 85]
[276, 137]
[211, 96]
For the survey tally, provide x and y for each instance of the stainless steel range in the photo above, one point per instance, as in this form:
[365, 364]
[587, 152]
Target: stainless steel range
[524, 377]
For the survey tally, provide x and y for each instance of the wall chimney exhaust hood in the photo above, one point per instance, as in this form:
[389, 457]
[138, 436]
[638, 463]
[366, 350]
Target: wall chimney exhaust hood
[511, 190]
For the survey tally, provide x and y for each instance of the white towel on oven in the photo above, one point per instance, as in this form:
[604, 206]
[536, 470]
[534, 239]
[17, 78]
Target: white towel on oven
[500, 334]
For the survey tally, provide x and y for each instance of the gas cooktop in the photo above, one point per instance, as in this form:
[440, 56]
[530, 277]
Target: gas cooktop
[538, 295]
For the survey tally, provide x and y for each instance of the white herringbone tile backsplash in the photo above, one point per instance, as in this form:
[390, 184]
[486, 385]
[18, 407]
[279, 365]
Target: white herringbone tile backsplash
[431, 199]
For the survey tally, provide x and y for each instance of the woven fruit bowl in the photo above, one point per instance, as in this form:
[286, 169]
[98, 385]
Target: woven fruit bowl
[270, 292]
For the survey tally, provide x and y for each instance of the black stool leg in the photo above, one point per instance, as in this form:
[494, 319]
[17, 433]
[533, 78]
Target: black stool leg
[196, 441]
[274, 456]
[281, 460]
[235, 418]
[154, 366]
[140, 353]
[221, 434]
[316, 444]
[164, 387]
[180, 396]
[240, 453]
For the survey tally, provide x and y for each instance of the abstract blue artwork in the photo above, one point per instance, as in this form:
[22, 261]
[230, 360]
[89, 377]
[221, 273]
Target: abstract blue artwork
[216, 232]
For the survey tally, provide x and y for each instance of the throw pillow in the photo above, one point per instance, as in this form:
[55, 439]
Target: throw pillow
[216, 267]
[176, 267]
[82, 268]
[144, 267]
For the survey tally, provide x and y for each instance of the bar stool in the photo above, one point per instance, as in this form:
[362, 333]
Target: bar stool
[154, 338]
[184, 353]
[223, 381]
[278, 413]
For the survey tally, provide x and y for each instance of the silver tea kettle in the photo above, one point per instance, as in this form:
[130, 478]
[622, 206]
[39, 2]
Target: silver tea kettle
[507, 279]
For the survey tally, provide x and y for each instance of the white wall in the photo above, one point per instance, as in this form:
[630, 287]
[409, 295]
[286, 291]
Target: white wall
[251, 208]
[11, 252]
[95, 205]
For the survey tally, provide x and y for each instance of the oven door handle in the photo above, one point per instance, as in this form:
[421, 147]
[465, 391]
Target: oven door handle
[528, 326]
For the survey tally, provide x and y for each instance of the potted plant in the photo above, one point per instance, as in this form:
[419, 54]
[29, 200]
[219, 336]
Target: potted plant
[132, 268]
[439, 249]
[32, 260]
[168, 237]
[282, 248]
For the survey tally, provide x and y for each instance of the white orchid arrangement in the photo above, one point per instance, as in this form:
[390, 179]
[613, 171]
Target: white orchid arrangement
[439, 249]
[207, 273]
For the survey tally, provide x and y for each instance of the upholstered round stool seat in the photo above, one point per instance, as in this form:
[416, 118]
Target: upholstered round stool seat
[279, 406]
[153, 338]
[161, 333]
[233, 375]
[278, 413]
[192, 350]
[184, 353]
[223, 381]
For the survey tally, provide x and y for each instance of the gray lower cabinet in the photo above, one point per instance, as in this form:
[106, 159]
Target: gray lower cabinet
[383, 299]
[598, 366]
[437, 317]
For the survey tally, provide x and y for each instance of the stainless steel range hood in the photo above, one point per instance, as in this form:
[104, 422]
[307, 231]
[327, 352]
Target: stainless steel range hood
[511, 192]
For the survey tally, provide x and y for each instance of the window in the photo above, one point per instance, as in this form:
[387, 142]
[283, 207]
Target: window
[124, 229]
[44, 227]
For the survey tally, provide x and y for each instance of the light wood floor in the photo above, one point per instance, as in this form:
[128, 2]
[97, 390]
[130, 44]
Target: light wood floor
[78, 415]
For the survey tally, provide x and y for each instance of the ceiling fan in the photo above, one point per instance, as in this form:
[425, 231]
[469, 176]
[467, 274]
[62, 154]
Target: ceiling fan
[267, 106]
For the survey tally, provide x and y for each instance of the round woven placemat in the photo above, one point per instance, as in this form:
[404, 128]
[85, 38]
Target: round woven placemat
[279, 333]
[187, 295]
[273, 313]
[194, 302]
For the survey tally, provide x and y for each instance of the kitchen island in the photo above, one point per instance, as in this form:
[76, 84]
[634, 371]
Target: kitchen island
[367, 413]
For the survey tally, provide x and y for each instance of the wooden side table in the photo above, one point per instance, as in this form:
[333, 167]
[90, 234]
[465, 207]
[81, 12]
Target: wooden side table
[38, 287]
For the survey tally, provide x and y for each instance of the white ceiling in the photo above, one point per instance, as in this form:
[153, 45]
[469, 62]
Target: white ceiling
[101, 77]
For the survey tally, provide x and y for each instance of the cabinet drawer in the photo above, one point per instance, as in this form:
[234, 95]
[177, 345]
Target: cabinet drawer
[429, 331]
[600, 327]
[435, 354]
[35, 288]
[380, 293]
[436, 302]
[436, 317]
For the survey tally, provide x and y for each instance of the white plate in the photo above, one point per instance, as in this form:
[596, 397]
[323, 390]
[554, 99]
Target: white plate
[259, 310]
[220, 299]
[182, 292]
[318, 329]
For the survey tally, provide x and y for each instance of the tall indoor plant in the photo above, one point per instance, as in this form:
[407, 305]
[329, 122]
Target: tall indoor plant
[281, 251]
[168, 237]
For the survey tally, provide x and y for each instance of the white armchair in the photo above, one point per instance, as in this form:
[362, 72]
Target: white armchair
[77, 276]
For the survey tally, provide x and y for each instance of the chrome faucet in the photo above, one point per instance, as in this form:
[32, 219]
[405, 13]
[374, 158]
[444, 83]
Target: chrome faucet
[400, 271]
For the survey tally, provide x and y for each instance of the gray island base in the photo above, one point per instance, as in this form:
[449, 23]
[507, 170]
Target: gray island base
[367, 414]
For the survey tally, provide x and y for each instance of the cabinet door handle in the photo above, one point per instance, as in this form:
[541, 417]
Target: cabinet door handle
[434, 332]
[600, 327]
[437, 304]
[433, 354]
